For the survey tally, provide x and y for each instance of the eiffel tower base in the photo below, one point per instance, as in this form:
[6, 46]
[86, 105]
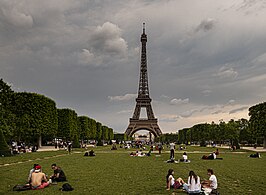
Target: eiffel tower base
[143, 124]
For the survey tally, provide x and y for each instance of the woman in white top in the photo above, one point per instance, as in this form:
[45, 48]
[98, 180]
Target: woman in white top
[171, 182]
[193, 183]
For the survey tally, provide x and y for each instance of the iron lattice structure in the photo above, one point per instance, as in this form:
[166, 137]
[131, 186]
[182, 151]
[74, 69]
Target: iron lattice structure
[143, 100]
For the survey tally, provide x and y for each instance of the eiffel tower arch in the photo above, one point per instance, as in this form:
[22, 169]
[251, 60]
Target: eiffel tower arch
[143, 100]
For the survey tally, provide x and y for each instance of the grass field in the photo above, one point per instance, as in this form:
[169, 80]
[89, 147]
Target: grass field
[115, 172]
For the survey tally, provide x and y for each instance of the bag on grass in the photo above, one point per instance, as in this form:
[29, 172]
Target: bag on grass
[66, 187]
[21, 187]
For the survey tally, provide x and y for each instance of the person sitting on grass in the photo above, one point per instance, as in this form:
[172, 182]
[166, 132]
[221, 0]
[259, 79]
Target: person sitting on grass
[184, 157]
[58, 175]
[171, 182]
[193, 184]
[211, 184]
[31, 171]
[38, 179]
[91, 153]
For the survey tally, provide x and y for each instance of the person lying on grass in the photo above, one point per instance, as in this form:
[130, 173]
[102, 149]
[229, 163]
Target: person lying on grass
[257, 155]
[171, 182]
[193, 183]
[38, 179]
[211, 156]
[210, 184]
[58, 175]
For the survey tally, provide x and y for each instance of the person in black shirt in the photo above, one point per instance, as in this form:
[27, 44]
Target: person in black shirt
[58, 175]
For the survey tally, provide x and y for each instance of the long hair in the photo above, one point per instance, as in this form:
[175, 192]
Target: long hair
[192, 174]
[170, 172]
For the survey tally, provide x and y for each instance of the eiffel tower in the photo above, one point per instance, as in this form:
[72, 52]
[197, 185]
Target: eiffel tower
[143, 100]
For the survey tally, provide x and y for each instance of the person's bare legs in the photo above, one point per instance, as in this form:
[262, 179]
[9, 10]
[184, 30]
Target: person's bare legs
[180, 180]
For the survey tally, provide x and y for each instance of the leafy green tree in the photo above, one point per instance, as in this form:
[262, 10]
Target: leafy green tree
[184, 135]
[232, 132]
[7, 118]
[119, 137]
[245, 135]
[105, 133]
[83, 127]
[257, 121]
[36, 116]
[4, 149]
[110, 134]
[67, 124]
[92, 129]
[99, 137]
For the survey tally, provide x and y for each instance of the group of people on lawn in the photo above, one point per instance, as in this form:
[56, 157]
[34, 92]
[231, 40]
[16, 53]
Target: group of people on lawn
[193, 185]
[39, 180]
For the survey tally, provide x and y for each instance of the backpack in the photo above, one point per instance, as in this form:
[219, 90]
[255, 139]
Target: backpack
[21, 187]
[66, 187]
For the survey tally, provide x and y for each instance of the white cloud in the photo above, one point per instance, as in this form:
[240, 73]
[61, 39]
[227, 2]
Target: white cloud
[230, 102]
[179, 101]
[124, 112]
[126, 97]
[107, 38]
[169, 117]
[206, 92]
[85, 57]
[226, 73]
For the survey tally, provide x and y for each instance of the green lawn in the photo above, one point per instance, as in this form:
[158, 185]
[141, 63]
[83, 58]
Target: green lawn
[115, 172]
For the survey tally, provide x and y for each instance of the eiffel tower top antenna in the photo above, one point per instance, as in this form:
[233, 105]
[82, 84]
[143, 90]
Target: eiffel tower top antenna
[143, 80]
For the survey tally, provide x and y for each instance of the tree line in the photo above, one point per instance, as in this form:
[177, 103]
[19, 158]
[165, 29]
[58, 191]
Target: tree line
[234, 132]
[32, 118]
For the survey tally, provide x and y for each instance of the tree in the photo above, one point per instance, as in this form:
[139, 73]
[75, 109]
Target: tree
[105, 133]
[110, 134]
[36, 117]
[232, 132]
[83, 127]
[4, 149]
[92, 128]
[67, 124]
[257, 121]
[7, 119]
[245, 135]
[99, 133]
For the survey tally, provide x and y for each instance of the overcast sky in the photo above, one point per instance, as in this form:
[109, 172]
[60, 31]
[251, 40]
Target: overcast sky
[206, 58]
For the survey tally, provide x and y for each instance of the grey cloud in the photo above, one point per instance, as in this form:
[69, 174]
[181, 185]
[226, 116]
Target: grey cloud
[206, 25]
[16, 18]
[188, 113]
[238, 109]
[81, 52]
[217, 112]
